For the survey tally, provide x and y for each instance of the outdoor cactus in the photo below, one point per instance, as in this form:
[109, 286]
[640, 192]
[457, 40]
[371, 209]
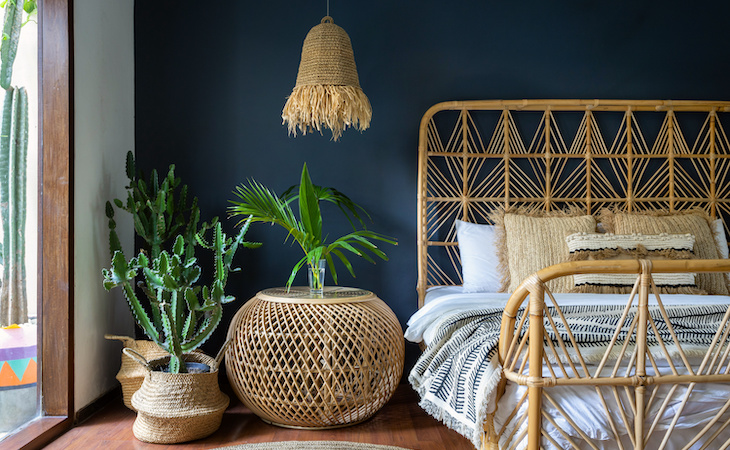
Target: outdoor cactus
[11, 34]
[183, 315]
[13, 162]
[5, 204]
[13, 168]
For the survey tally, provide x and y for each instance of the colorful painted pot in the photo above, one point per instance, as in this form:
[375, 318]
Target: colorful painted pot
[18, 375]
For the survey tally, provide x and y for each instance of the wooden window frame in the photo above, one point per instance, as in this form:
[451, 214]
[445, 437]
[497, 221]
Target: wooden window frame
[55, 223]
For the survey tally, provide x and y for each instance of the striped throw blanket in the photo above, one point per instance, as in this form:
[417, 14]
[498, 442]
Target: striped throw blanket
[457, 375]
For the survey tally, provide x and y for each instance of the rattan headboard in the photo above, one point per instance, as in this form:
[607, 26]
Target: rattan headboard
[476, 155]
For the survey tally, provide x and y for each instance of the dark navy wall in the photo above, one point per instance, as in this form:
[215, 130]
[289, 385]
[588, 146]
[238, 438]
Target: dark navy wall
[212, 78]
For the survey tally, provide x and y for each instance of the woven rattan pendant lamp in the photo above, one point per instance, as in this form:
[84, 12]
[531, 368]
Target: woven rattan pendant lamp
[327, 93]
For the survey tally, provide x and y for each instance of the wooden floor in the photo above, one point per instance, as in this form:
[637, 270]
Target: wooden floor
[401, 423]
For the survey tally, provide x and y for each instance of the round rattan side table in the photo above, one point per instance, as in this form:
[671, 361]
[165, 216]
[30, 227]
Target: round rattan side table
[302, 361]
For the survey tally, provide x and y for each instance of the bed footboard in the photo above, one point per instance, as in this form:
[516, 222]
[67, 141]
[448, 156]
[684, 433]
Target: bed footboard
[541, 349]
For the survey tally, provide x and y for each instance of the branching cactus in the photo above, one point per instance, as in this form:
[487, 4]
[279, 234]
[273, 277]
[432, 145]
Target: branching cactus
[159, 211]
[182, 315]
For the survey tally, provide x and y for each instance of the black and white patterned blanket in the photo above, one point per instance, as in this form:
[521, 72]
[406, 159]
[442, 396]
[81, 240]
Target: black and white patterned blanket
[457, 375]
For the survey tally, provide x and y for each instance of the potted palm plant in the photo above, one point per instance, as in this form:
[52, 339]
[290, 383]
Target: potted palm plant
[325, 335]
[257, 203]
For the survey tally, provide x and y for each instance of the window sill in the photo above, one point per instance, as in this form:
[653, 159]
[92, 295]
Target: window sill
[37, 434]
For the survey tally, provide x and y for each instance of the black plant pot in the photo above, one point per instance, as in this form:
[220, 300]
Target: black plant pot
[192, 367]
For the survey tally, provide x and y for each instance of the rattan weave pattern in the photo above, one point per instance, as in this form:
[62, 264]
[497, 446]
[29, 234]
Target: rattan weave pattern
[315, 365]
[633, 155]
[327, 57]
[334, 295]
[630, 155]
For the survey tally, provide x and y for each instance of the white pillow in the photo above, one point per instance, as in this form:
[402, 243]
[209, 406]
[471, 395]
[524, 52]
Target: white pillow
[478, 257]
[719, 229]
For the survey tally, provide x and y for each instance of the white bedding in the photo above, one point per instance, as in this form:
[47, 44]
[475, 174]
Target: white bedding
[442, 302]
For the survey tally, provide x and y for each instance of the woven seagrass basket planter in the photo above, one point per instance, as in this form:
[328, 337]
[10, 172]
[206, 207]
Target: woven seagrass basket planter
[319, 363]
[131, 374]
[178, 407]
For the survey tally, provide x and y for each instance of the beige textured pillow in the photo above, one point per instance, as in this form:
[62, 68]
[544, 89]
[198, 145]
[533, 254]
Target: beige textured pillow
[602, 247]
[694, 222]
[532, 241]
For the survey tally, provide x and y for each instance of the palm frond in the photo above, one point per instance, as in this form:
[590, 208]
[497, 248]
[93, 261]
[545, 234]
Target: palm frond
[295, 270]
[309, 213]
[263, 205]
[344, 260]
[350, 209]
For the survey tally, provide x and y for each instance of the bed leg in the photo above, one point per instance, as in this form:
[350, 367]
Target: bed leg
[490, 440]
[534, 390]
[639, 417]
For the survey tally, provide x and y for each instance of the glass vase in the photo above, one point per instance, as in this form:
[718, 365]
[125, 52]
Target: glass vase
[316, 277]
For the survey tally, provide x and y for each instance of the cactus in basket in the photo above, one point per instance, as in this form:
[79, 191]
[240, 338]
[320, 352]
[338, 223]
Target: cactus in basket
[160, 211]
[184, 315]
[173, 312]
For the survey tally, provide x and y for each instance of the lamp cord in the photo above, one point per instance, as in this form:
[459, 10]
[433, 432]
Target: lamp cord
[328, 7]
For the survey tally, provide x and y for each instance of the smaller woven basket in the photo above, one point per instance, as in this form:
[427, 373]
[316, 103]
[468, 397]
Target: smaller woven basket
[131, 374]
[177, 407]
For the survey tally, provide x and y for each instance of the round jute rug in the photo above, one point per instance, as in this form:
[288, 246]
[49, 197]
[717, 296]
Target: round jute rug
[312, 445]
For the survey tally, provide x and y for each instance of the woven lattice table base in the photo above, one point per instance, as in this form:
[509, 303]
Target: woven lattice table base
[297, 361]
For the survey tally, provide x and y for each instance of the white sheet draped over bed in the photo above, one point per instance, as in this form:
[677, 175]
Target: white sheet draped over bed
[447, 324]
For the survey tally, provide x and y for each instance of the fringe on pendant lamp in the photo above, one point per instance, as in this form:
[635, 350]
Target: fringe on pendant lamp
[327, 93]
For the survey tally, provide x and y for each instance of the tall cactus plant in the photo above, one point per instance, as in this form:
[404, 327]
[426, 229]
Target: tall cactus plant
[186, 314]
[160, 211]
[13, 172]
[5, 153]
[13, 161]
[20, 157]
[11, 35]
[166, 302]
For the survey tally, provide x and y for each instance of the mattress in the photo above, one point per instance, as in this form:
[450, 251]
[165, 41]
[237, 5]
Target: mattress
[443, 303]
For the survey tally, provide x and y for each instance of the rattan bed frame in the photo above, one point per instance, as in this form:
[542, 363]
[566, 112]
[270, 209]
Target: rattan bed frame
[475, 156]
